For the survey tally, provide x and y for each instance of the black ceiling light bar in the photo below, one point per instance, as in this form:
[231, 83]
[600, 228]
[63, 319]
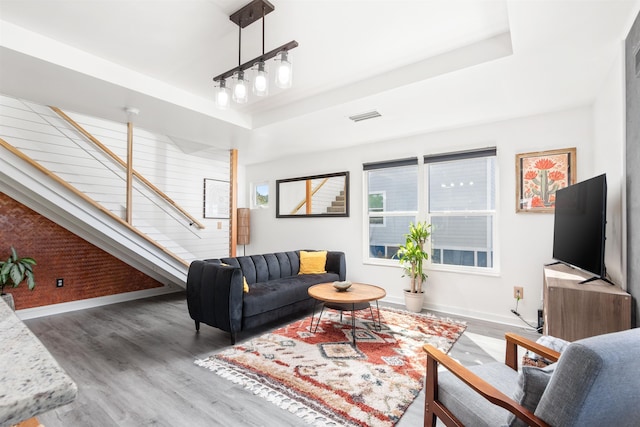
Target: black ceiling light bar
[244, 17]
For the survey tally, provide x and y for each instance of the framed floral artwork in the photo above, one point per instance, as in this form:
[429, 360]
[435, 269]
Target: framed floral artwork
[539, 175]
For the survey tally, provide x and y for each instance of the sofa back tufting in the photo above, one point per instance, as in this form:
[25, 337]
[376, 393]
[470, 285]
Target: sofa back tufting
[262, 268]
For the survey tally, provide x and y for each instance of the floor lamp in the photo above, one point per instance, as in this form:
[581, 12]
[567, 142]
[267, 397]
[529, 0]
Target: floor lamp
[244, 229]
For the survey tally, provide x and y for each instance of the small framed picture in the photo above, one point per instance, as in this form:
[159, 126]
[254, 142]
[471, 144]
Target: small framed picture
[539, 175]
[216, 199]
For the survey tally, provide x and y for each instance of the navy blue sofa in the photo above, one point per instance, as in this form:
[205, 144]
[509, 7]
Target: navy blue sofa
[215, 293]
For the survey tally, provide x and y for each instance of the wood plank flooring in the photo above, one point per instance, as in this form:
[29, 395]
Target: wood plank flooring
[133, 363]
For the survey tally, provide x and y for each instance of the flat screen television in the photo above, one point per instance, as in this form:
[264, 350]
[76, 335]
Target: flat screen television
[579, 225]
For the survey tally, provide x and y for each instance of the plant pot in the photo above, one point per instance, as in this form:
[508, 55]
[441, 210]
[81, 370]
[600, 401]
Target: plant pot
[8, 298]
[413, 301]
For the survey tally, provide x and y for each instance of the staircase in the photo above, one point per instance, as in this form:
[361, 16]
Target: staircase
[54, 168]
[339, 205]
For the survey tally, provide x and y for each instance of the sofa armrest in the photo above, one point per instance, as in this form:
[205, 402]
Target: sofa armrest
[215, 295]
[435, 408]
[336, 263]
[514, 341]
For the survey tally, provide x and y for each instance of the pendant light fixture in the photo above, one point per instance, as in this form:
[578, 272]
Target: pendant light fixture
[284, 75]
[240, 92]
[260, 79]
[258, 67]
[222, 95]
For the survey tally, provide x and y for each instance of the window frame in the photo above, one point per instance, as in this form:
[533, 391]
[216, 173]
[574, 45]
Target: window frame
[464, 155]
[254, 195]
[423, 212]
[367, 167]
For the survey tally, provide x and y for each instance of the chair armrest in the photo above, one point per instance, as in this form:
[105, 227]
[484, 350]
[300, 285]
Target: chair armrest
[486, 390]
[514, 341]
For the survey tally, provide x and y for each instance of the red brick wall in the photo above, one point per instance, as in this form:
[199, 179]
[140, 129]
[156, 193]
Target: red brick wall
[87, 271]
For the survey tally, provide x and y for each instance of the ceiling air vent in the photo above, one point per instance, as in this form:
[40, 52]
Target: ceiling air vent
[365, 116]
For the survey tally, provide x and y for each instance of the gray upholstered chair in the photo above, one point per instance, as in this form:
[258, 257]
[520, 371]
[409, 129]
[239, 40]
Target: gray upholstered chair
[595, 382]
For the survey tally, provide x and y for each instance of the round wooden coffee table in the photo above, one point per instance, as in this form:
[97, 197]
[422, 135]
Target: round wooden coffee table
[357, 297]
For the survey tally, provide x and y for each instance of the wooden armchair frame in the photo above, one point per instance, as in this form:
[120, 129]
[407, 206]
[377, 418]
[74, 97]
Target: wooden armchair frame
[434, 409]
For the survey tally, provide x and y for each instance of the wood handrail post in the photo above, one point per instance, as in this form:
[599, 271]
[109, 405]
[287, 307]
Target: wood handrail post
[233, 203]
[129, 203]
[122, 163]
[309, 193]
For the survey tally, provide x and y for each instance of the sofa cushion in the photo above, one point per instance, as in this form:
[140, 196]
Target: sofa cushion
[532, 383]
[313, 262]
[466, 404]
[274, 266]
[262, 268]
[285, 264]
[294, 260]
[273, 294]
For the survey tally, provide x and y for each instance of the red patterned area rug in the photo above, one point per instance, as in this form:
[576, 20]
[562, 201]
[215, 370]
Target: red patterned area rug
[321, 377]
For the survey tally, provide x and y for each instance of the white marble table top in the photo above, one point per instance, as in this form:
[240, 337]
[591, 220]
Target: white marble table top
[31, 381]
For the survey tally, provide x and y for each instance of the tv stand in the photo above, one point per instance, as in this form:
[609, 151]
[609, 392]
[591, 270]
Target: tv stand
[577, 306]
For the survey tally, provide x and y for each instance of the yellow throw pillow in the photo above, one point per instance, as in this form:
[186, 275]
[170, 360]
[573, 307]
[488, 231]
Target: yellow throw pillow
[313, 262]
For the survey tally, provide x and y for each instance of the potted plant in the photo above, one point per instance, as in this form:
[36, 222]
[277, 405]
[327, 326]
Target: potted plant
[14, 271]
[412, 256]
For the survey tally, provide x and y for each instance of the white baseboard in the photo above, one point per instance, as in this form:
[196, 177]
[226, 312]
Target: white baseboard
[49, 310]
[506, 319]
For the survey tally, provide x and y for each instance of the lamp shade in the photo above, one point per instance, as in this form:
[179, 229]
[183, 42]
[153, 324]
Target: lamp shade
[284, 70]
[240, 90]
[244, 227]
[222, 95]
[260, 79]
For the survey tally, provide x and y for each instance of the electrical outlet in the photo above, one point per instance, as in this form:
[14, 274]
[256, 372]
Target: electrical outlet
[59, 283]
[518, 292]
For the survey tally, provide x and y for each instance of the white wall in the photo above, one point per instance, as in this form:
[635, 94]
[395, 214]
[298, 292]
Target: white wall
[608, 157]
[525, 240]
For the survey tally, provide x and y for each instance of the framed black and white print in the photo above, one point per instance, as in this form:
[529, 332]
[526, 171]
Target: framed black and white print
[216, 199]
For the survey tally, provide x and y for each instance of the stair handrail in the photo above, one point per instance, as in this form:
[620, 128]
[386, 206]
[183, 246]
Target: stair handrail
[122, 163]
[88, 199]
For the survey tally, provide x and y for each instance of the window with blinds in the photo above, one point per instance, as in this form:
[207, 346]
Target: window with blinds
[461, 201]
[392, 203]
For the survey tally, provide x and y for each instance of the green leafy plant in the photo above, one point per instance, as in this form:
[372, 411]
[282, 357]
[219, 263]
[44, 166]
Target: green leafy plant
[15, 270]
[412, 254]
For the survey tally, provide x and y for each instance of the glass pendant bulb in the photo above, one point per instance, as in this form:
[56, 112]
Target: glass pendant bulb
[260, 79]
[284, 71]
[222, 95]
[240, 92]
